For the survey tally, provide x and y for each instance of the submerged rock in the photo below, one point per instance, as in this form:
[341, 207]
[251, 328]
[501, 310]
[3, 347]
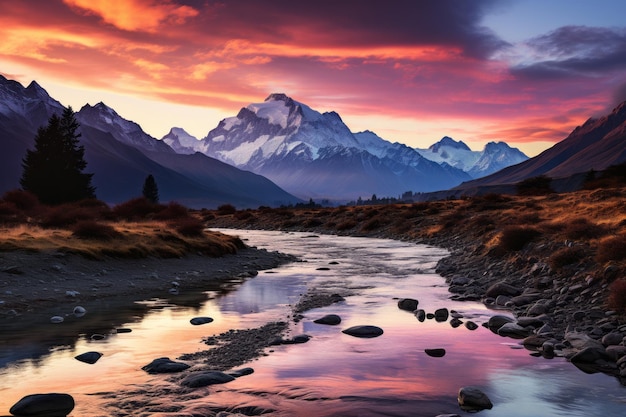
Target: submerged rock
[44, 405]
[164, 366]
[365, 331]
[206, 378]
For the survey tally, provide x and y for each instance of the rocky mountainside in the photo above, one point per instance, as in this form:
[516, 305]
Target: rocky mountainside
[596, 145]
[315, 155]
[121, 155]
[494, 157]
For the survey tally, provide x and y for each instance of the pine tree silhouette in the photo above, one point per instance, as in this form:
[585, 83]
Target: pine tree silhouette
[150, 190]
[53, 171]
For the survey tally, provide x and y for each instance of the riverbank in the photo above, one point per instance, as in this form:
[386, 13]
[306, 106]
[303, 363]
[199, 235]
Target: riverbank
[556, 261]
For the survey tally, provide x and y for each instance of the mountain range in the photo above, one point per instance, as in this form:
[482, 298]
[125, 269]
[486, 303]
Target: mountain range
[315, 155]
[281, 151]
[121, 155]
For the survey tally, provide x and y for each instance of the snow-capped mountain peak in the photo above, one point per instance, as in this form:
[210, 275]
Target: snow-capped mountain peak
[182, 142]
[106, 119]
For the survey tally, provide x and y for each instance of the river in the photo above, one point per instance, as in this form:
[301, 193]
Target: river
[333, 374]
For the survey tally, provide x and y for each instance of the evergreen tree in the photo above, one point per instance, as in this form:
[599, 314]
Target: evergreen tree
[53, 171]
[150, 190]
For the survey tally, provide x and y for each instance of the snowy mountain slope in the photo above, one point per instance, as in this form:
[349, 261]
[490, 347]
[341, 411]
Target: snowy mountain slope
[182, 142]
[312, 154]
[492, 158]
[121, 155]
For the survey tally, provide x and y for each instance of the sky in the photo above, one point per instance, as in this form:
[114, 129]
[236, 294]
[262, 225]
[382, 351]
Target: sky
[526, 72]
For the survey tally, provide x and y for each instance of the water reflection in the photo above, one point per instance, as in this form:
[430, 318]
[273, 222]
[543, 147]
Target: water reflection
[333, 374]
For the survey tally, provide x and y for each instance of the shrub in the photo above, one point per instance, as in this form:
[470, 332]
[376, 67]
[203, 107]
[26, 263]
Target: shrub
[312, 223]
[514, 238]
[172, 211]
[243, 215]
[226, 209]
[190, 226]
[617, 295]
[135, 209]
[372, 224]
[346, 225]
[65, 215]
[539, 185]
[612, 249]
[581, 228]
[566, 256]
[90, 229]
[23, 200]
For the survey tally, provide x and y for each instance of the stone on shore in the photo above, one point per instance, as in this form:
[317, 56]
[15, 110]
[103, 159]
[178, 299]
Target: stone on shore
[365, 331]
[502, 288]
[513, 330]
[408, 304]
[329, 319]
[497, 321]
[43, 405]
[420, 314]
[89, 357]
[206, 378]
[164, 366]
[241, 372]
[472, 399]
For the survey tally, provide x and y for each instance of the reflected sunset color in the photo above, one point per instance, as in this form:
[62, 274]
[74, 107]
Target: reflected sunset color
[333, 374]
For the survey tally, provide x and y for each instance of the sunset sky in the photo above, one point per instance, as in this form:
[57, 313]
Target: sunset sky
[523, 71]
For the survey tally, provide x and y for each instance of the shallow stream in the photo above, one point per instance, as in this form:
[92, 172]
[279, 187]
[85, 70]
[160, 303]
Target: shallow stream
[333, 374]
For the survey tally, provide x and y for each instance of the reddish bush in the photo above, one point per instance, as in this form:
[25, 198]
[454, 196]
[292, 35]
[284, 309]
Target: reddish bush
[23, 200]
[514, 238]
[172, 211]
[65, 215]
[581, 228]
[346, 225]
[89, 229]
[135, 209]
[612, 249]
[189, 226]
[243, 215]
[617, 296]
[225, 209]
[566, 256]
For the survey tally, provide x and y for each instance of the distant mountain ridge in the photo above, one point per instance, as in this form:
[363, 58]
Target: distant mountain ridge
[121, 155]
[494, 157]
[596, 145]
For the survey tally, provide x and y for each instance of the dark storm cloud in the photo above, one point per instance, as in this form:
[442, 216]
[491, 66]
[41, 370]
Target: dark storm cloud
[352, 23]
[575, 51]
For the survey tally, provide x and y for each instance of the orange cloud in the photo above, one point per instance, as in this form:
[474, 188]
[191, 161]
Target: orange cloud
[135, 15]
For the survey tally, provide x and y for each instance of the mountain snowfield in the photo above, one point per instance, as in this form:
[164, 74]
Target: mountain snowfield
[315, 155]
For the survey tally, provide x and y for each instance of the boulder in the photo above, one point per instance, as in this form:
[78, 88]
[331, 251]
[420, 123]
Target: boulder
[502, 288]
[44, 405]
[456, 323]
[497, 321]
[611, 339]
[420, 314]
[472, 399]
[89, 357]
[164, 366]
[241, 372]
[616, 352]
[470, 325]
[364, 331]
[441, 314]
[329, 319]
[436, 353]
[514, 331]
[408, 304]
[206, 378]
[197, 321]
[589, 354]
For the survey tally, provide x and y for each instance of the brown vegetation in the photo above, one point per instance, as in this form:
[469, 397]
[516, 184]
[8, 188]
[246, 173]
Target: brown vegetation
[578, 235]
[134, 229]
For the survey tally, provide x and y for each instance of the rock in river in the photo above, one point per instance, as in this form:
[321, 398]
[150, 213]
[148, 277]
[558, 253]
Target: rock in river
[164, 366]
[330, 319]
[44, 405]
[436, 353]
[408, 304]
[196, 321]
[365, 331]
[206, 378]
[472, 399]
[89, 357]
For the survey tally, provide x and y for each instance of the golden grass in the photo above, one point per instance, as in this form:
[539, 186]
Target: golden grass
[135, 240]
